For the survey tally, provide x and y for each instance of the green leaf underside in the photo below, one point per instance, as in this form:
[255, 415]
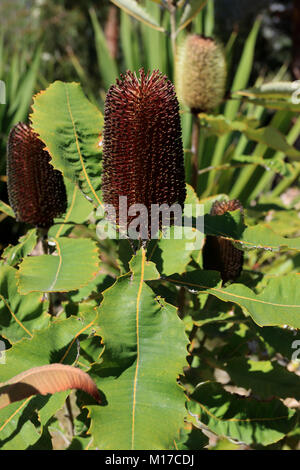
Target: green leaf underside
[142, 359]
[71, 133]
[247, 421]
[277, 304]
[74, 266]
[19, 314]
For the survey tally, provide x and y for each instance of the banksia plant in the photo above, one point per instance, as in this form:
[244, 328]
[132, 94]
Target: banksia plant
[142, 146]
[36, 190]
[220, 254]
[200, 73]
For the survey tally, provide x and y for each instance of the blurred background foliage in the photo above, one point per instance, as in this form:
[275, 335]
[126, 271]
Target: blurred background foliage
[93, 41]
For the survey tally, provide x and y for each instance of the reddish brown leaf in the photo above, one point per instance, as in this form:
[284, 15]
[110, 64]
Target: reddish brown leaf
[46, 379]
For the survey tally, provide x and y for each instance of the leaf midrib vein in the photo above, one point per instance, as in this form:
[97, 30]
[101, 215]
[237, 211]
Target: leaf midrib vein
[138, 347]
[78, 148]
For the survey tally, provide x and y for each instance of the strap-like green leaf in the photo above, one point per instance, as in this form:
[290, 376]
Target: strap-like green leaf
[71, 127]
[57, 343]
[145, 350]
[265, 378]
[137, 11]
[74, 266]
[248, 421]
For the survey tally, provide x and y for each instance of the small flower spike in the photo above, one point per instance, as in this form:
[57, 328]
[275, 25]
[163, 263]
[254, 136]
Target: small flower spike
[36, 190]
[200, 73]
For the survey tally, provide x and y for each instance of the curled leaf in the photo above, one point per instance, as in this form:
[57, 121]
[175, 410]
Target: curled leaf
[50, 378]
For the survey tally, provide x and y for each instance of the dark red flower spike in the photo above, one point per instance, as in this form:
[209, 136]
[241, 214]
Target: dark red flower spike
[142, 146]
[36, 190]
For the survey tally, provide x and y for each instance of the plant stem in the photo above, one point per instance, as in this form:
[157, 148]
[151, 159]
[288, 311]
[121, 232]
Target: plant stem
[42, 234]
[195, 149]
[172, 10]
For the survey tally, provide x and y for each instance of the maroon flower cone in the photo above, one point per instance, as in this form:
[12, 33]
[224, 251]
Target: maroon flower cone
[220, 254]
[36, 190]
[142, 146]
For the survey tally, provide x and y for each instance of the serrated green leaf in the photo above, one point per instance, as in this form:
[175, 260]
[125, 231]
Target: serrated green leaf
[269, 136]
[265, 378]
[70, 126]
[53, 344]
[248, 421]
[74, 266]
[140, 364]
[171, 255]
[273, 90]
[20, 315]
[279, 340]
[253, 237]
[6, 209]
[241, 78]
[191, 438]
[107, 65]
